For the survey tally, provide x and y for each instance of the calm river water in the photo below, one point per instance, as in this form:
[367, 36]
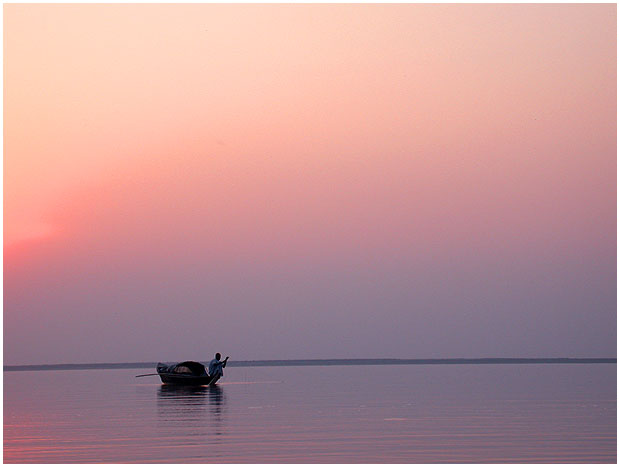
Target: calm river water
[376, 414]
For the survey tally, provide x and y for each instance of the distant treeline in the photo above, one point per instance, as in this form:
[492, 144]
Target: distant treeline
[323, 362]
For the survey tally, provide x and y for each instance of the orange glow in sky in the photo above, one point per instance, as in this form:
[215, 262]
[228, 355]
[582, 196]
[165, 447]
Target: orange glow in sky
[283, 136]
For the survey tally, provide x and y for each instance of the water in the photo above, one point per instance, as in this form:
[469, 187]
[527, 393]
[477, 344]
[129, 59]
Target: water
[360, 414]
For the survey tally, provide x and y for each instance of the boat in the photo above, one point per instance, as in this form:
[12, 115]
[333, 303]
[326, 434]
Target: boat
[185, 373]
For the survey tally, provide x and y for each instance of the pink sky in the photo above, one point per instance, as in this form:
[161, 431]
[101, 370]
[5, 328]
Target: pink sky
[283, 181]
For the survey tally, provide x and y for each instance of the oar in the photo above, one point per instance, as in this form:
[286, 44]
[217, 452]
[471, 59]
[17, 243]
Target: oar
[145, 375]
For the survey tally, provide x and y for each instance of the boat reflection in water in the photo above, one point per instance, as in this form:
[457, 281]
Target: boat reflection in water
[199, 411]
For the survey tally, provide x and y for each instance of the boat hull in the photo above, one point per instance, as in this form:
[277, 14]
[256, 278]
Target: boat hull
[180, 379]
[185, 373]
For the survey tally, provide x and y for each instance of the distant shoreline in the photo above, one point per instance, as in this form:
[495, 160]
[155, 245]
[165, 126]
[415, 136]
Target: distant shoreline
[321, 362]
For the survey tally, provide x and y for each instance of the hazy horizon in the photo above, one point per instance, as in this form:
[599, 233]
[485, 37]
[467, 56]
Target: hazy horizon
[322, 363]
[309, 181]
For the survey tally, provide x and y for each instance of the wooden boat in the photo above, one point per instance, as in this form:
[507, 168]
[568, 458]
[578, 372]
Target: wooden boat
[185, 373]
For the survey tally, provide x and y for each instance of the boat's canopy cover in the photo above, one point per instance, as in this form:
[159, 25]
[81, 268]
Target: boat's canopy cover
[185, 367]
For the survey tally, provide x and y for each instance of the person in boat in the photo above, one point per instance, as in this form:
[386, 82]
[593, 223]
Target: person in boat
[216, 366]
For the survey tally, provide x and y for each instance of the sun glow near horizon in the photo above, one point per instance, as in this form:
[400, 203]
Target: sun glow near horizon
[441, 175]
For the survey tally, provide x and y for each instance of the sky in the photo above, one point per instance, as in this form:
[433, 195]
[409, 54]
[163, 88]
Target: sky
[309, 181]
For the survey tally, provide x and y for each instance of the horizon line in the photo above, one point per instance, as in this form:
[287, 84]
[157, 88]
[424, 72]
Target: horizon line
[319, 362]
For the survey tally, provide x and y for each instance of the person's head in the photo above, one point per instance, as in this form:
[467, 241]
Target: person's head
[218, 356]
